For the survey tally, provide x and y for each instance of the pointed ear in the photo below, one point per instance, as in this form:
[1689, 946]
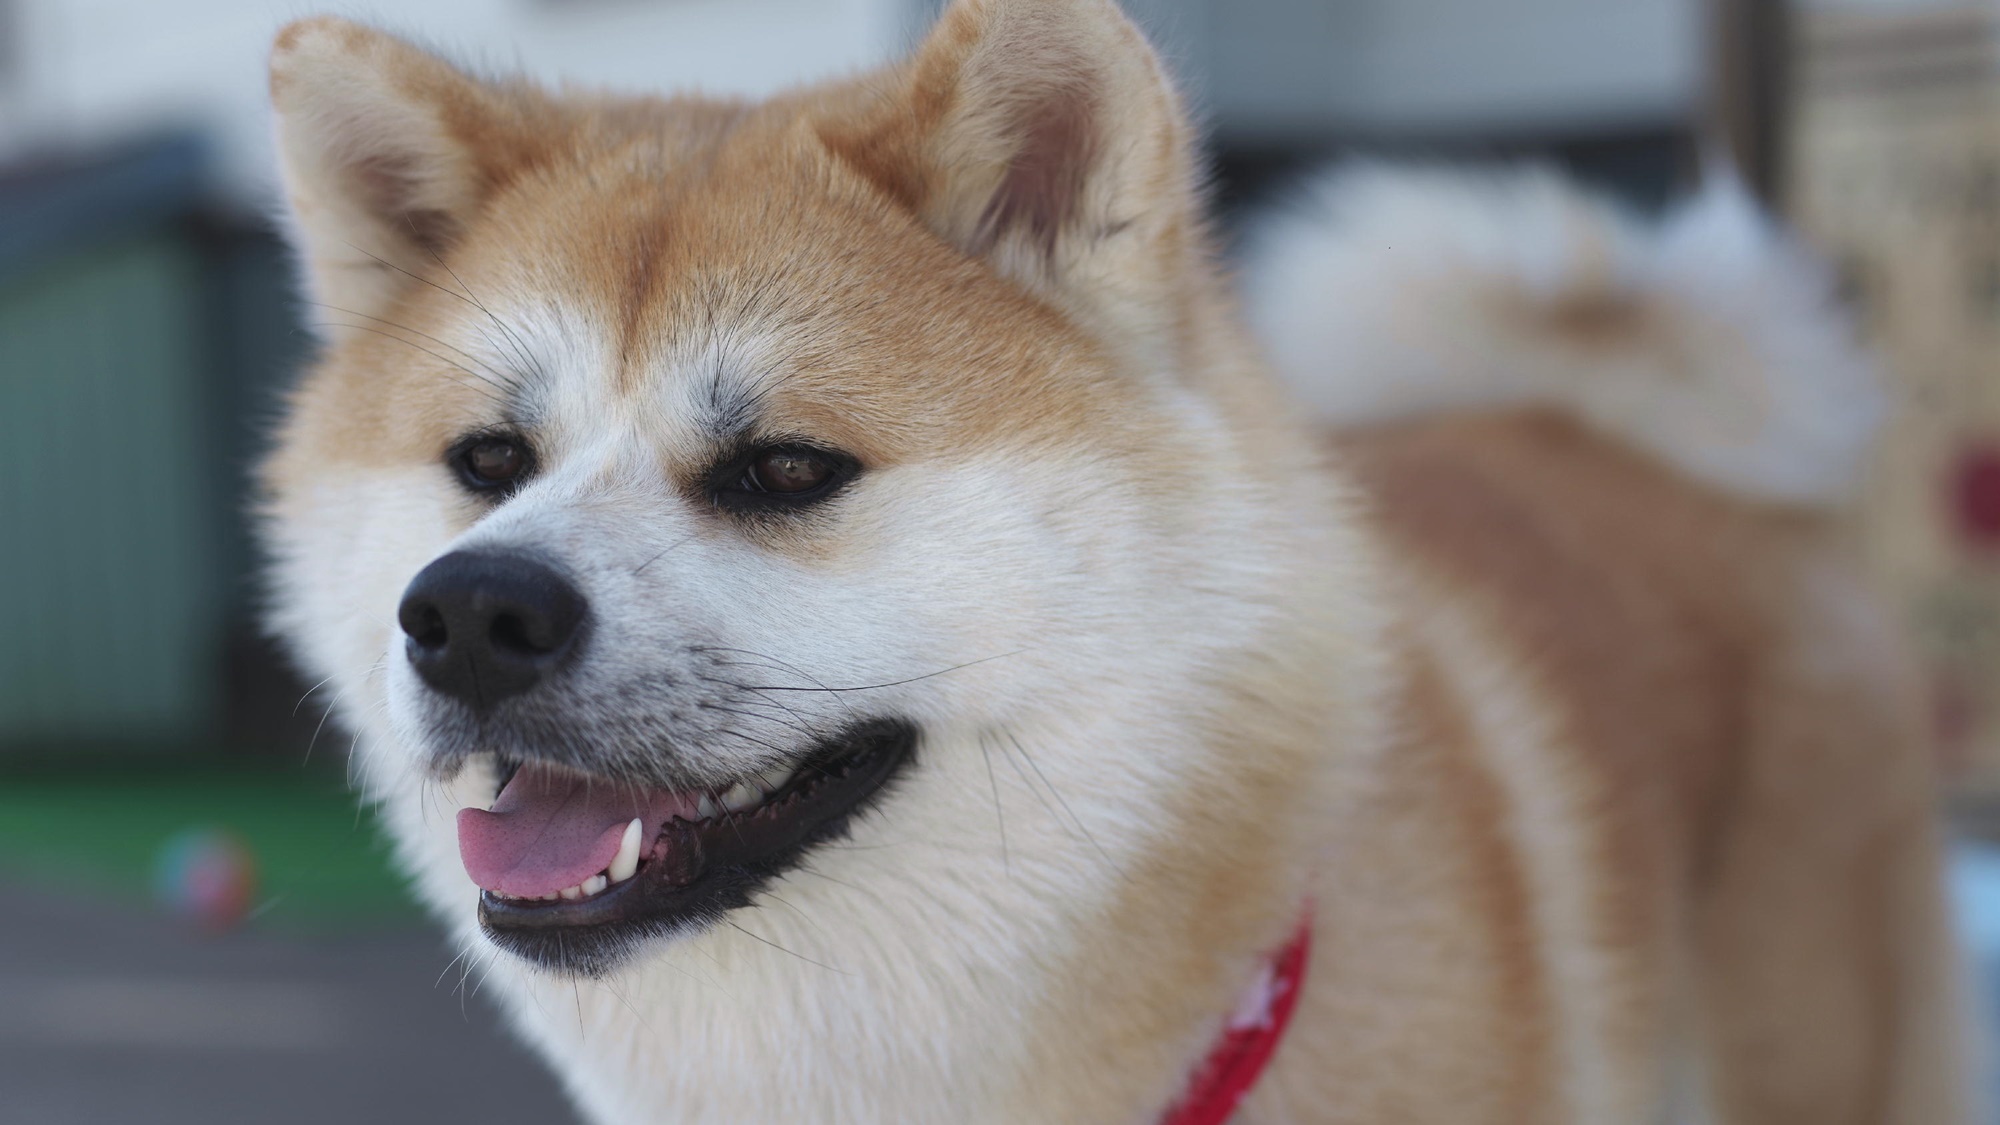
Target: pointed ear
[1044, 136]
[385, 152]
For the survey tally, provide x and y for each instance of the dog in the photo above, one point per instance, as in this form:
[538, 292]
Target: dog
[844, 624]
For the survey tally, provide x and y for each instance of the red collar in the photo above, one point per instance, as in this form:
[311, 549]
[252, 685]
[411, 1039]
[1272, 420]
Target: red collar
[1224, 1078]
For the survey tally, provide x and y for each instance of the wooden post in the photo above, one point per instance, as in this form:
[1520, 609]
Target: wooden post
[1748, 85]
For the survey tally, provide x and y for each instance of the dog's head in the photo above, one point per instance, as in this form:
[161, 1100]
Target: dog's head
[689, 474]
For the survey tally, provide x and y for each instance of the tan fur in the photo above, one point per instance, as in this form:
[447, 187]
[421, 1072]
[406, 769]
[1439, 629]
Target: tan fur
[1598, 778]
[1735, 744]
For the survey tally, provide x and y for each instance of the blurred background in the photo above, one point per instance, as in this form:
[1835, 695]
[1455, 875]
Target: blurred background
[206, 926]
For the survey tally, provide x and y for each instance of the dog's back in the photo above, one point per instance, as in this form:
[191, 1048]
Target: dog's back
[1659, 790]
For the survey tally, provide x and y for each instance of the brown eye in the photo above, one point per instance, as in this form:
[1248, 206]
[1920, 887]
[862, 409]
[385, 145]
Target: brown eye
[790, 471]
[780, 477]
[492, 462]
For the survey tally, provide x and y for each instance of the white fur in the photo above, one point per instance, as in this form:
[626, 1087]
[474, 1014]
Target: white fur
[1392, 292]
[891, 979]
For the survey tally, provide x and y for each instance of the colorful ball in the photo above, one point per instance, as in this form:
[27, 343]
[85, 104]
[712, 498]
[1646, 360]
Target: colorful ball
[207, 876]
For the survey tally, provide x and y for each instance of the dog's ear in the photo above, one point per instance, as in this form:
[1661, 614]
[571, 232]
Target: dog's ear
[386, 151]
[1044, 137]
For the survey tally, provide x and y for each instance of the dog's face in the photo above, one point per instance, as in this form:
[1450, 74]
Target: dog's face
[685, 474]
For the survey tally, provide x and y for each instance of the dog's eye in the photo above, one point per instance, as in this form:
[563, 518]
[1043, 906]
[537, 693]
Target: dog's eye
[489, 463]
[781, 477]
[789, 471]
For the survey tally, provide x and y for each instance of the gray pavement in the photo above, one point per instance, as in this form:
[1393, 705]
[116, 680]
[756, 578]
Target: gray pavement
[112, 1014]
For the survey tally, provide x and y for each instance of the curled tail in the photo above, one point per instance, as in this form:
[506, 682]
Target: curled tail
[1706, 337]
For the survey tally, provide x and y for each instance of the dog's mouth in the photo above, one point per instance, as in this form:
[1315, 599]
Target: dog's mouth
[576, 869]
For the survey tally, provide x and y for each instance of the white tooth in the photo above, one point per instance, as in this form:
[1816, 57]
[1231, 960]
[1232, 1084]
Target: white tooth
[626, 863]
[774, 779]
[705, 807]
[572, 893]
[550, 898]
[742, 795]
[595, 884]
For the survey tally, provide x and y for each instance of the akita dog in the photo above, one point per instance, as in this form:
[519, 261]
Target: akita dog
[844, 627]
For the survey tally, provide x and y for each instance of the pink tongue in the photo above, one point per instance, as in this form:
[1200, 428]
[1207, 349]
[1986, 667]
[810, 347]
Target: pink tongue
[551, 829]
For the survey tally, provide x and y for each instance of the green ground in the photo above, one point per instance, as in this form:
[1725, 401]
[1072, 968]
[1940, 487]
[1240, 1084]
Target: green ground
[322, 863]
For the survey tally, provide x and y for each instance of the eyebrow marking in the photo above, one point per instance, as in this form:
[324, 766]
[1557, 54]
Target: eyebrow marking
[731, 409]
[731, 380]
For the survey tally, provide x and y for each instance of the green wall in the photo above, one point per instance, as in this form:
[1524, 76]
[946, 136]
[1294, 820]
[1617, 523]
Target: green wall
[110, 593]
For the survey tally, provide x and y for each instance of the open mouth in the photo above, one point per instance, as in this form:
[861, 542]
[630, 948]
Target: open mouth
[576, 870]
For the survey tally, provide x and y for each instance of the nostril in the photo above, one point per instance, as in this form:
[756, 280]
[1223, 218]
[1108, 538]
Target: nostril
[426, 627]
[511, 633]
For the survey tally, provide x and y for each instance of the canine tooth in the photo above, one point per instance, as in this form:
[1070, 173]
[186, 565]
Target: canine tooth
[572, 893]
[706, 807]
[626, 863]
[774, 779]
[740, 796]
[595, 884]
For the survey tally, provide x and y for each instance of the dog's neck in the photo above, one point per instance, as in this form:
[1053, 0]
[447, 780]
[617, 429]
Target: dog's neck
[910, 973]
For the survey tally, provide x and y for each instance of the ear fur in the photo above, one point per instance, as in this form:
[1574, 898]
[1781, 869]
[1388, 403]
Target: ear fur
[385, 150]
[1044, 137]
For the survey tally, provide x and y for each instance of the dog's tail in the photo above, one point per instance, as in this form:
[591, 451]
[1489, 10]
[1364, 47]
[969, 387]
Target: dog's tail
[1705, 338]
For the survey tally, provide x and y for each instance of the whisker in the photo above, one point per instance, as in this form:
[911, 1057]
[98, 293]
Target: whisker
[771, 662]
[665, 552]
[803, 916]
[308, 695]
[447, 968]
[867, 687]
[734, 733]
[1053, 792]
[527, 361]
[774, 945]
[493, 958]
[999, 816]
[778, 703]
[380, 260]
[520, 348]
[497, 378]
[614, 990]
[491, 389]
[811, 870]
[799, 726]
[323, 717]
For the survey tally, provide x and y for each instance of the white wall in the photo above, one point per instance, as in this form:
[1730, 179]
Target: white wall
[1471, 64]
[93, 70]
[1289, 68]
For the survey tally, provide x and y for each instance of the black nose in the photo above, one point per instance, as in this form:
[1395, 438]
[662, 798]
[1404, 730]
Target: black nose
[483, 627]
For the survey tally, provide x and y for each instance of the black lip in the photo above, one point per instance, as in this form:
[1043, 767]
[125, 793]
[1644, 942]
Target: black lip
[711, 868]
